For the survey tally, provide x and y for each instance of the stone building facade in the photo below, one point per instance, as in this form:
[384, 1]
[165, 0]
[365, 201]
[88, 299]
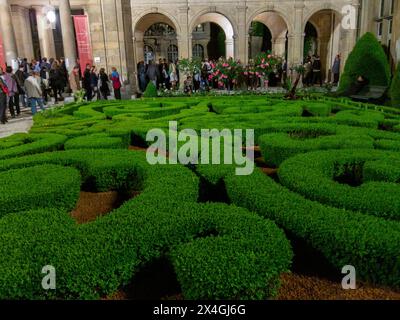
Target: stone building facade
[117, 29]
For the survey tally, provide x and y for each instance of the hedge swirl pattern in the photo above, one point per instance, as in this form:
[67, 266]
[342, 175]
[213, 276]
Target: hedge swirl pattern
[337, 189]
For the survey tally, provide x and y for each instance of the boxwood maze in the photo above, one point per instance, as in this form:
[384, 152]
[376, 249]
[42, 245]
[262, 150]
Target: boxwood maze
[337, 189]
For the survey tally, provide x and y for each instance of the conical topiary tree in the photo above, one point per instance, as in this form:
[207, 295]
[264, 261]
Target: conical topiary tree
[151, 91]
[367, 59]
[395, 88]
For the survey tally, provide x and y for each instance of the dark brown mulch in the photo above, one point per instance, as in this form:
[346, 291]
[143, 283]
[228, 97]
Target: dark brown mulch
[93, 205]
[299, 287]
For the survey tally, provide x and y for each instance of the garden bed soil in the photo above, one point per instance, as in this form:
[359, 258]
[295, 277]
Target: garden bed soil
[93, 205]
[300, 287]
[293, 287]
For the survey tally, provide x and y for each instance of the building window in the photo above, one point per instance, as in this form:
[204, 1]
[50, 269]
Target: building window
[382, 9]
[392, 7]
[198, 51]
[148, 54]
[172, 53]
[380, 29]
[390, 26]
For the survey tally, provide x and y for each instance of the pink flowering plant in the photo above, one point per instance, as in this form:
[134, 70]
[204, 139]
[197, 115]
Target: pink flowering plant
[265, 63]
[226, 72]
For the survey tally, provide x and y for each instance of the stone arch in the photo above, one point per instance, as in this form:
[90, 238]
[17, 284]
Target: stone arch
[327, 22]
[281, 14]
[337, 8]
[278, 25]
[144, 22]
[222, 21]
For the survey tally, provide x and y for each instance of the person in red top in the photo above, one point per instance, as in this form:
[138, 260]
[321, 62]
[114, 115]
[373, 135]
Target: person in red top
[3, 98]
[116, 82]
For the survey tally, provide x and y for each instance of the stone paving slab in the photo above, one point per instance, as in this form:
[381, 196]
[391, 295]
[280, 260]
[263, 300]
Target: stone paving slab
[22, 124]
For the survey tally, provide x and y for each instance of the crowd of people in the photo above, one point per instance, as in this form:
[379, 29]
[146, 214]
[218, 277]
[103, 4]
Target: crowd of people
[164, 74]
[313, 71]
[34, 83]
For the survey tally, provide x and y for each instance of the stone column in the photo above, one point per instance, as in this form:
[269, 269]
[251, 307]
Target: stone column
[45, 32]
[68, 34]
[241, 40]
[296, 39]
[185, 37]
[279, 46]
[230, 48]
[23, 32]
[7, 31]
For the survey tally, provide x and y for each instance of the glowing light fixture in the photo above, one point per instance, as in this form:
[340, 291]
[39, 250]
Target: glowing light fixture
[51, 16]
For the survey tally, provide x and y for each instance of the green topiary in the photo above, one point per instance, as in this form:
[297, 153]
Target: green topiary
[367, 59]
[395, 89]
[151, 91]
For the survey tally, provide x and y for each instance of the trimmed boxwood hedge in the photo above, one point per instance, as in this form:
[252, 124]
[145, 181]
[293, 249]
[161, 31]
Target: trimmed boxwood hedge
[358, 118]
[95, 259]
[96, 141]
[278, 147]
[395, 88]
[218, 251]
[368, 243]
[46, 186]
[367, 59]
[382, 170]
[26, 144]
[318, 109]
[313, 175]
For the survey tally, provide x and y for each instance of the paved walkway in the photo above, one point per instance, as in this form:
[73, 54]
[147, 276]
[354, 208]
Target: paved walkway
[21, 124]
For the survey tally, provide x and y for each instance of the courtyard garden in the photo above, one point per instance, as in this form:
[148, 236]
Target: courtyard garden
[79, 195]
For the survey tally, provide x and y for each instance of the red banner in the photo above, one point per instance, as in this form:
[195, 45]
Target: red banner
[83, 41]
[2, 57]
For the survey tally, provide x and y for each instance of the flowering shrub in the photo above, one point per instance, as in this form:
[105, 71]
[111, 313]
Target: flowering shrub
[226, 72]
[266, 63]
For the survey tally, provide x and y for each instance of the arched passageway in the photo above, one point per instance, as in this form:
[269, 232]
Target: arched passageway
[220, 32]
[156, 38]
[322, 37]
[268, 32]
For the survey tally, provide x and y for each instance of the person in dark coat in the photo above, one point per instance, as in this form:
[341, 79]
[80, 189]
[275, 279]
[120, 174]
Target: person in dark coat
[317, 74]
[20, 79]
[152, 72]
[336, 70]
[87, 83]
[141, 67]
[56, 81]
[94, 82]
[104, 84]
[64, 75]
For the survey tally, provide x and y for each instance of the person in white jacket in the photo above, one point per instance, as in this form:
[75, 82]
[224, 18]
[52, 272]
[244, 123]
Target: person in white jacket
[34, 91]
